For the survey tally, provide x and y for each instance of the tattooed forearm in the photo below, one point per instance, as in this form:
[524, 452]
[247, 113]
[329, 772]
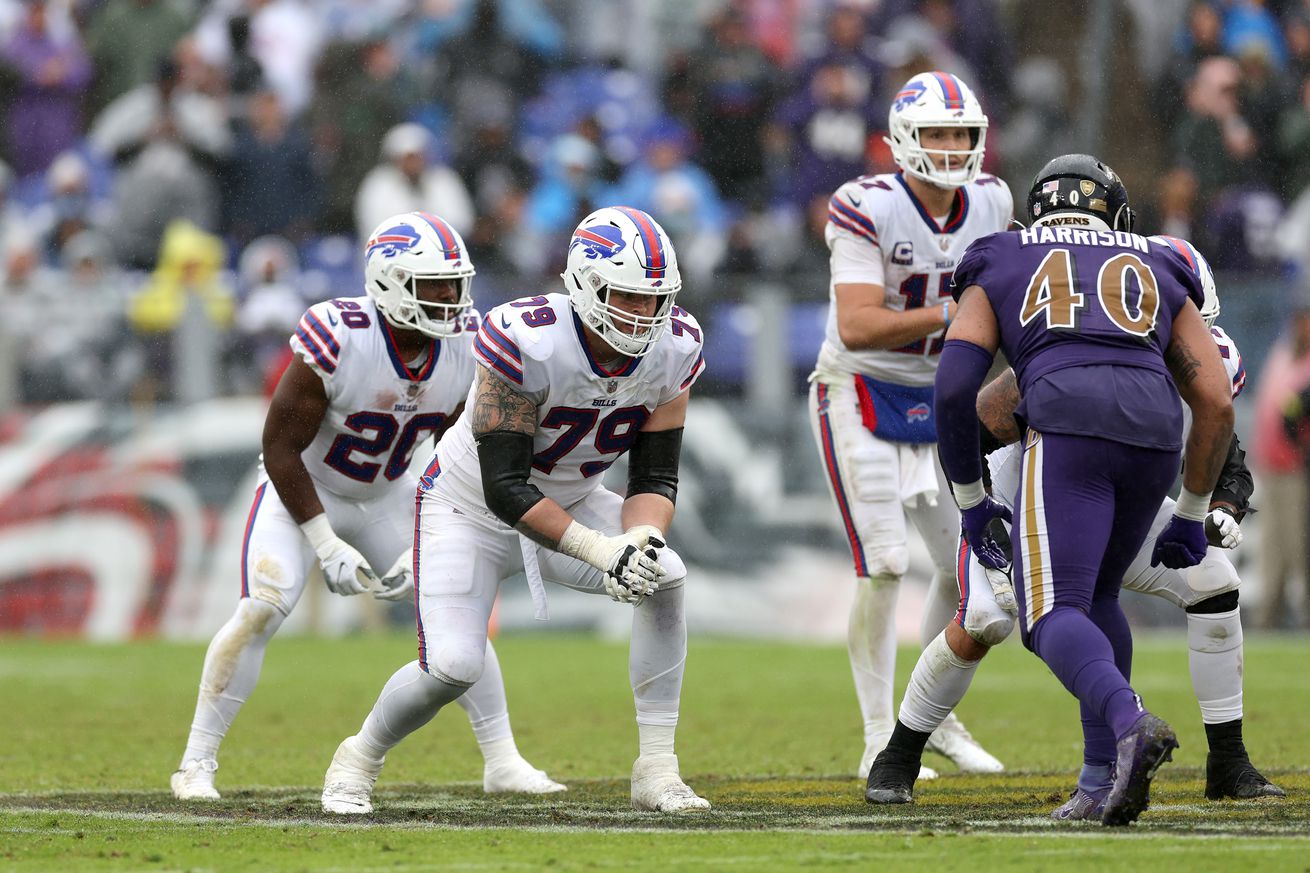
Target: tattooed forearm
[996, 405]
[497, 406]
[1182, 362]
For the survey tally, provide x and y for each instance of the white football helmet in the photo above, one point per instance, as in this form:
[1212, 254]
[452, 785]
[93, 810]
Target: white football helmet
[1210, 307]
[412, 246]
[936, 100]
[622, 249]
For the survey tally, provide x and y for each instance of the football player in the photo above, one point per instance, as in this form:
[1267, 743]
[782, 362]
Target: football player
[894, 241]
[371, 379]
[1104, 331]
[566, 383]
[1207, 593]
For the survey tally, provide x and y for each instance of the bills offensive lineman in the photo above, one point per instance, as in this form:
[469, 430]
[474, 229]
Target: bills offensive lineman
[894, 242]
[372, 378]
[1207, 593]
[566, 383]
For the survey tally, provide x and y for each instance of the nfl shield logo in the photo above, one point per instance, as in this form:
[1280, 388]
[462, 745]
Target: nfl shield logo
[611, 386]
[411, 391]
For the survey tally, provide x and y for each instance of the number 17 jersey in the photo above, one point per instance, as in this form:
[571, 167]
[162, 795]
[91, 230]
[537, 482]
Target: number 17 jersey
[879, 233]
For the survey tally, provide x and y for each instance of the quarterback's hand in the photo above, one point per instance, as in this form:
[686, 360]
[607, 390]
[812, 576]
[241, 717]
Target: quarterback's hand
[631, 571]
[982, 535]
[398, 582]
[344, 568]
[1181, 544]
[1222, 529]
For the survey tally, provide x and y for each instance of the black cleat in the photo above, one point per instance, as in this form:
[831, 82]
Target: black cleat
[891, 778]
[1140, 753]
[1236, 777]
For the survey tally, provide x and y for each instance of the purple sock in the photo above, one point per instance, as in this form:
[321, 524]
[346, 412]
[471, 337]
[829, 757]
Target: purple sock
[1098, 738]
[1081, 656]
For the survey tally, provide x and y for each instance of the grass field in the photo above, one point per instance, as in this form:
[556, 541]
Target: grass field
[769, 733]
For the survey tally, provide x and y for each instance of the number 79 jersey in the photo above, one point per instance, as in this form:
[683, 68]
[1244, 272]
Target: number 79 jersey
[587, 416]
[879, 233]
[379, 410]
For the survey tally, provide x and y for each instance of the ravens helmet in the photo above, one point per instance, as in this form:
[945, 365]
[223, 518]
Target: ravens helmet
[1084, 184]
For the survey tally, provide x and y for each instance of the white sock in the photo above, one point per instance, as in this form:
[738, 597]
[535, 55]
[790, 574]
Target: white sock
[487, 708]
[871, 645]
[657, 659]
[941, 606]
[1214, 643]
[408, 701]
[937, 686]
[231, 671]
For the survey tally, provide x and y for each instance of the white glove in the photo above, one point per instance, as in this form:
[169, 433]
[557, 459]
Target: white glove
[631, 571]
[397, 582]
[344, 568]
[1222, 530]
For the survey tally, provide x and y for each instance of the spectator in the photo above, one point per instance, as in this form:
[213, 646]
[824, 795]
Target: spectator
[286, 38]
[1293, 142]
[1297, 31]
[406, 181]
[733, 88]
[568, 189]
[1250, 24]
[360, 95]
[819, 135]
[72, 208]
[1201, 38]
[1261, 99]
[167, 140]
[182, 316]
[128, 40]
[665, 183]
[44, 115]
[1040, 125]
[271, 305]
[13, 219]
[1217, 142]
[1280, 464]
[271, 186]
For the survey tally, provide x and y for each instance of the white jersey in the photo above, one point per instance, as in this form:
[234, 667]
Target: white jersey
[379, 410]
[587, 416]
[1004, 463]
[880, 234]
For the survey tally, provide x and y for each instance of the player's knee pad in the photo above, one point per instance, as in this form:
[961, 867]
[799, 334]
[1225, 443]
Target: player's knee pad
[458, 660]
[1214, 575]
[259, 617]
[675, 571]
[267, 582]
[886, 560]
[1225, 602]
[987, 623]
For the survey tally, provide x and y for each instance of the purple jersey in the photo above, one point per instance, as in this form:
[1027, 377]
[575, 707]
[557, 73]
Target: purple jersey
[1085, 317]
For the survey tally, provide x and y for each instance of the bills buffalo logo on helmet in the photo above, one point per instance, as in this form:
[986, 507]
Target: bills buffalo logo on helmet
[908, 95]
[601, 241]
[393, 241]
[918, 412]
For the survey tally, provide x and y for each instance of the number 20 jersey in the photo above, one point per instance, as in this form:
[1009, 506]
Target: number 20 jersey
[379, 410]
[587, 416]
[918, 256]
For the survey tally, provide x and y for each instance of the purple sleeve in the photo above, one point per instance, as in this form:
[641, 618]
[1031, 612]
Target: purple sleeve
[971, 268]
[960, 375]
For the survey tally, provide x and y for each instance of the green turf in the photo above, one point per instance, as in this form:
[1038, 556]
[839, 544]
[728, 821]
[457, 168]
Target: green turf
[769, 732]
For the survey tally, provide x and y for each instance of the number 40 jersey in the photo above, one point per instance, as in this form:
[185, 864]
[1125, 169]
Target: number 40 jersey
[879, 233]
[379, 407]
[587, 416]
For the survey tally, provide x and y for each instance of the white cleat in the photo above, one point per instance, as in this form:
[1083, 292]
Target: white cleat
[953, 740]
[194, 780]
[657, 787]
[871, 751]
[348, 783]
[516, 775]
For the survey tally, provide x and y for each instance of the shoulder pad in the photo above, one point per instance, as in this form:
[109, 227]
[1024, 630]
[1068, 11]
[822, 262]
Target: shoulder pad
[324, 329]
[1232, 359]
[857, 206]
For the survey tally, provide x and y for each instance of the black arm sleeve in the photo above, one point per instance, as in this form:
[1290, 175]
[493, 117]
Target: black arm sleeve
[506, 461]
[1235, 485]
[653, 463]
